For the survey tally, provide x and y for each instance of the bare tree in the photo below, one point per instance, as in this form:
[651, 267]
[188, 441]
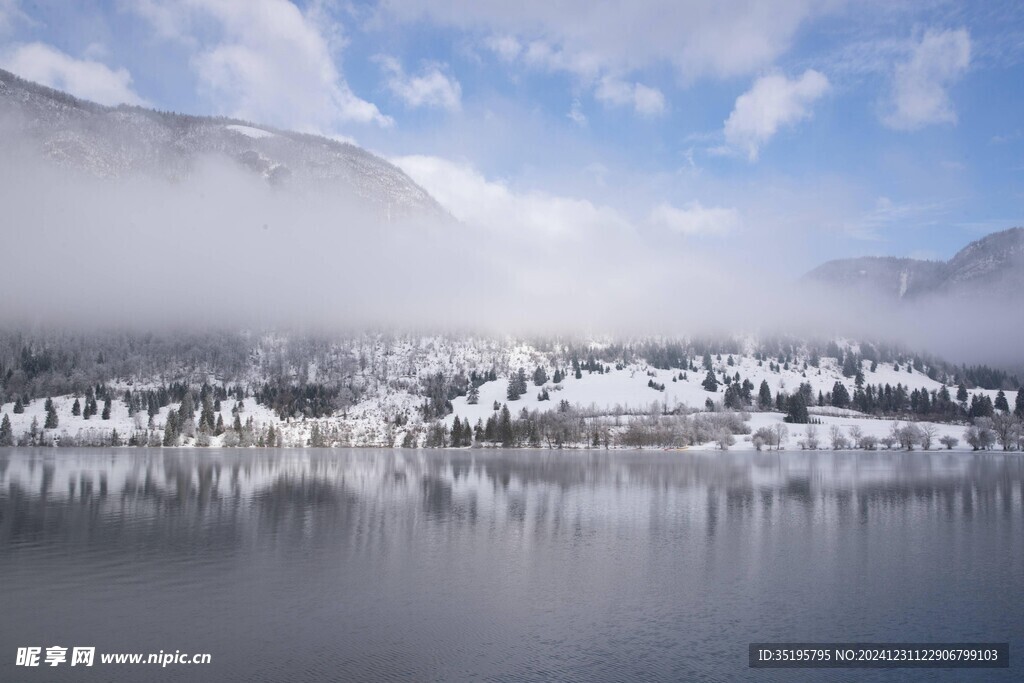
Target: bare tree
[781, 434]
[1005, 427]
[856, 433]
[838, 439]
[980, 435]
[949, 442]
[811, 437]
[928, 432]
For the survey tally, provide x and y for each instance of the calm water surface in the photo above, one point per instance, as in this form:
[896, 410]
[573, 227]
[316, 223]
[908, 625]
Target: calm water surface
[503, 566]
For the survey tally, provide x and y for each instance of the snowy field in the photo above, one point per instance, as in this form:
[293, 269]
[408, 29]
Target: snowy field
[622, 393]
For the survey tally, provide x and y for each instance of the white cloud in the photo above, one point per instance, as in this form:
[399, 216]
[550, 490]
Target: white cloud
[266, 61]
[645, 100]
[695, 219]
[698, 37]
[490, 204]
[83, 78]
[920, 86]
[506, 47]
[773, 101]
[431, 88]
[576, 114]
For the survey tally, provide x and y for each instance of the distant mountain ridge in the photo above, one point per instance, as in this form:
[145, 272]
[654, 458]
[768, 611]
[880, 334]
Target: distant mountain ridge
[992, 266]
[123, 140]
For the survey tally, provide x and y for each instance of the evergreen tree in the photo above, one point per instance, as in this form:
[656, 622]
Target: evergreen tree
[850, 365]
[557, 379]
[540, 377]
[505, 432]
[51, 415]
[206, 418]
[961, 395]
[512, 392]
[456, 432]
[219, 429]
[473, 397]
[6, 433]
[171, 429]
[19, 407]
[710, 383]
[840, 396]
[1018, 408]
[106, 409]
[797, 409]
[1001, 402]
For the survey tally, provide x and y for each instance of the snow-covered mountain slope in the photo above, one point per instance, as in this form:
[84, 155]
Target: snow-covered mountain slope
[389, 381]
[121, 141]
[991, 266]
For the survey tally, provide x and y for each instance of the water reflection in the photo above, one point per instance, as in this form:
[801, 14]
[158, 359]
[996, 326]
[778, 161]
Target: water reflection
[505, 565]
[202, 491]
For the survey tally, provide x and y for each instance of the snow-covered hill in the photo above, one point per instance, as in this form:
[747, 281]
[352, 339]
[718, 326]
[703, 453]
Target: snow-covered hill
[390, 379]
[992, 266]
[123, 141]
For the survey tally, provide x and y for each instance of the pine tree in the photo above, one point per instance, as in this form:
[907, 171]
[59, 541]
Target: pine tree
[505, 432]
[1018, 408]
[106, 409]
[473, 397]
[764, 396]
[456, 432]
[1001, 402]
[840, 396]
[558, 377]
[961, 395]
[540, 377]
[171, 429]
[6, 433]
[51, 415]
[512, 392]
[710, 383]
[797, 409]
[19, 407]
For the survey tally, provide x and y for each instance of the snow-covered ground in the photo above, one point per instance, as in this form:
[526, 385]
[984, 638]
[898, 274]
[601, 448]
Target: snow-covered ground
[393, 370]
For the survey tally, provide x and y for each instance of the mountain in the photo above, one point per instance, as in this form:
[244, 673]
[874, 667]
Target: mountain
[991, 266]
[124, 140]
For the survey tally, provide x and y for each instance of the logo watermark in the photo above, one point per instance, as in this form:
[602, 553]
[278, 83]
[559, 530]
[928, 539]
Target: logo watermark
[56, 655]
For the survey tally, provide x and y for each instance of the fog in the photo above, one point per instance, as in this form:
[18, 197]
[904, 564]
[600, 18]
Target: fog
[221, 247]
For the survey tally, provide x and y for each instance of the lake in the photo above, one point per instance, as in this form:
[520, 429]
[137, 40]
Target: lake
[308, 565]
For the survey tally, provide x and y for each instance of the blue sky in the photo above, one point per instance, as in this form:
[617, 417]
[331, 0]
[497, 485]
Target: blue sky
[798, 129]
